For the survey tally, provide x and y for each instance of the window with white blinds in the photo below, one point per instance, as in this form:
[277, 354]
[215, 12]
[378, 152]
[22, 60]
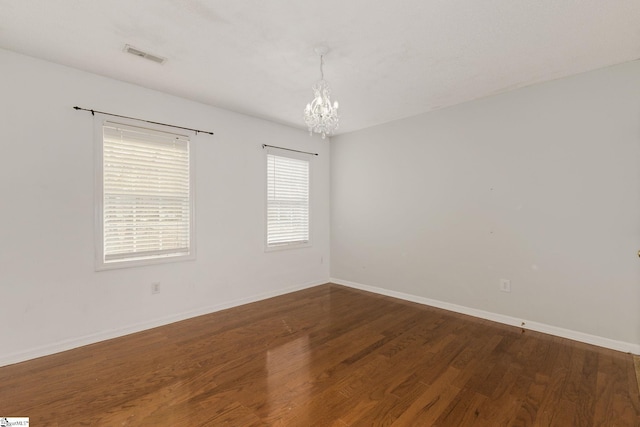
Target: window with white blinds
[147, 201]
[287, 201]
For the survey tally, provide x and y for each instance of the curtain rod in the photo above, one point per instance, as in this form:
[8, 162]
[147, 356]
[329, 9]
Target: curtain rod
[289, 149]
[93, 113]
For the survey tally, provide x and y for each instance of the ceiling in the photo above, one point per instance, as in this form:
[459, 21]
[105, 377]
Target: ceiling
[387, 59]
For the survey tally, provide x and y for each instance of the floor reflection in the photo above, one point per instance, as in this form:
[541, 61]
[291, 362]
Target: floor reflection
[288, 365]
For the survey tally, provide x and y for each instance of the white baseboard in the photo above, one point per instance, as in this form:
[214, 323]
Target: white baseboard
[500, 318]
[69, 344]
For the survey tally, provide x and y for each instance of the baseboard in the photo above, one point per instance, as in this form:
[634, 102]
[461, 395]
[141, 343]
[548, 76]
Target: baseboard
[500, 318]
[139, 327]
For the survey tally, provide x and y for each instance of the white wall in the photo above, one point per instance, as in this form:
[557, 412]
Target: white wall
[51, 296]
[540, 186]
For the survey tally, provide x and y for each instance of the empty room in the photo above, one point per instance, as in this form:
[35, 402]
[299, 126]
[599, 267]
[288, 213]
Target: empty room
[296, 213]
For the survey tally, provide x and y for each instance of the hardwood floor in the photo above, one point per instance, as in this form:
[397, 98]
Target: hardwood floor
[636, 361]
[327, 356]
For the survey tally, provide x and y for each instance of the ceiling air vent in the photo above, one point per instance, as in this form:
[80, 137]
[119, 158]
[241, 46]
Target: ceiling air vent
[137, 52]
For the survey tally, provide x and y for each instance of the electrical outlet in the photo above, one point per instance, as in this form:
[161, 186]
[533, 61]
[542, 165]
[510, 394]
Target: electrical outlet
[505, 285]
[155, 288]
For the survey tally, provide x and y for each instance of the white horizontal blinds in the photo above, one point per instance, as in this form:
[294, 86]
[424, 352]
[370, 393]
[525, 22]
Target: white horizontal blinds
[146, 210]
[287, 200]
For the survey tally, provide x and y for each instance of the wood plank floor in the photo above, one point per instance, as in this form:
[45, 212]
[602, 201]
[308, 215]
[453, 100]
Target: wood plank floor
[636, 361]
[327, 356]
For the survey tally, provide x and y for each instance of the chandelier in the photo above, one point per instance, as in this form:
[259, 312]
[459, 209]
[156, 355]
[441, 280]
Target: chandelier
[320, 115]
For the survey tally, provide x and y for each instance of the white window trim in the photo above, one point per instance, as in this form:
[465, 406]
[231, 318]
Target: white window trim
[293, 155]
[100, 265]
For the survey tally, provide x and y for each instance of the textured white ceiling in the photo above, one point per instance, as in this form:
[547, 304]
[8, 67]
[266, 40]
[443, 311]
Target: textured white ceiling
[388, 59]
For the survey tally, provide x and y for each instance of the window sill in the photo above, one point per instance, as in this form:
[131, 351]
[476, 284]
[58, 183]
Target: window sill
[116, 265]
[287, 247]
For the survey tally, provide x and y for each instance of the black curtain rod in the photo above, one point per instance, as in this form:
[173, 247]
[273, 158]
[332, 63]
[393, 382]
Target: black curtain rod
[93, 113]
[288, 149]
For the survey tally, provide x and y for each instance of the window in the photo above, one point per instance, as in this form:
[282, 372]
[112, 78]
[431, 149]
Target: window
[287, 201]
[145, 205]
